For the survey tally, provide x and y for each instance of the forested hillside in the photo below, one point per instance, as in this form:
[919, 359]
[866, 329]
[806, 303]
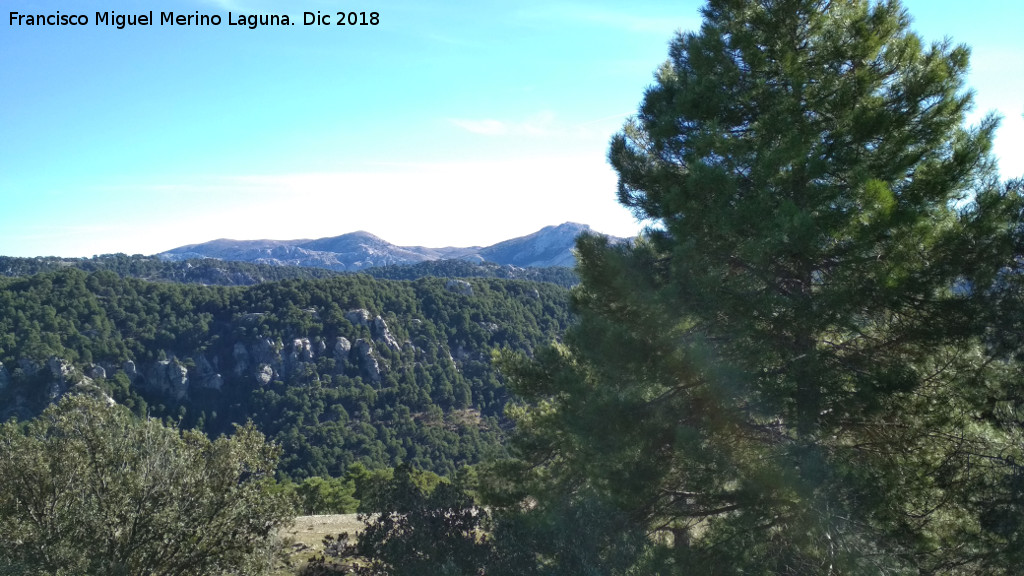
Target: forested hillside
[211, 271]
[204, 271]
[337, 370]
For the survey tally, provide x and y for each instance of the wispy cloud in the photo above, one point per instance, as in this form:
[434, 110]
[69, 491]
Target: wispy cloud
[540, 124]
[487, 127]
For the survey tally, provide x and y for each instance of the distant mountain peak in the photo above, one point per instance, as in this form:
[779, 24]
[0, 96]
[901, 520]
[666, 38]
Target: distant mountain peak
[549, 246]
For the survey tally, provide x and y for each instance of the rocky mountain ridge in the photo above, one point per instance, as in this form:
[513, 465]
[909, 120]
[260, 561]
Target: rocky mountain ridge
[550, 246]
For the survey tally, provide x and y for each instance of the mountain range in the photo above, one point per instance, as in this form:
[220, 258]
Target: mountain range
[549, 246]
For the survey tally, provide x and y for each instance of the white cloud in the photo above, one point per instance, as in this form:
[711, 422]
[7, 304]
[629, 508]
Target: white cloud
[541, 124]
[487, 127]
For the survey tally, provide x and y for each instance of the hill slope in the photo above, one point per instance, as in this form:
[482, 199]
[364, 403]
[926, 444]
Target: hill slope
[550, 246]
[336, 370]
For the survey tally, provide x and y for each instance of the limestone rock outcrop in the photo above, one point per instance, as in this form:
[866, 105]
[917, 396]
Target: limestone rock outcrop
[359, 317]
[252, 360]
[95, 371]
[302, 350]
[130, 370]
[341, 347]
[459, 287]
[380, 332]
[62, 374]
[206, 373]
[169, 377]
[265, 375]
[368, 366]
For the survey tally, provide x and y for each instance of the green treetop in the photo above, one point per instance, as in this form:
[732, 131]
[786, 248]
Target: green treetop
[792, 371]
[87, 488]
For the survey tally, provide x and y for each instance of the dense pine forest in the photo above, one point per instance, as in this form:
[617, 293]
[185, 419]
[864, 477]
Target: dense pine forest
[337, 370]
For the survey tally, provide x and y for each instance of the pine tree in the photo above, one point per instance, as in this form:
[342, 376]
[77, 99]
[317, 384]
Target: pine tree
[794, 370]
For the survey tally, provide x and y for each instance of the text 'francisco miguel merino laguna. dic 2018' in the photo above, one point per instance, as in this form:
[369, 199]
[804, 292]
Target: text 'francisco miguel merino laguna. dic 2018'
[121, 21]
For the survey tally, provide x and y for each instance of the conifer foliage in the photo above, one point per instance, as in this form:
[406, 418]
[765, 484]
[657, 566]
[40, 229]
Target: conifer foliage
[87, 488]
[798, 368]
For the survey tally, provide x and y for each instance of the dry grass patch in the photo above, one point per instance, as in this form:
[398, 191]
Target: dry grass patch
[304, 539]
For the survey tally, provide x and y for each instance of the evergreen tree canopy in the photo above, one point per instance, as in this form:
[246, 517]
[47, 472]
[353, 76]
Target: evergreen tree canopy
[797, 368]
[87, 488]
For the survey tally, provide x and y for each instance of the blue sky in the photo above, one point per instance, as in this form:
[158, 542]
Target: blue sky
[447, 124]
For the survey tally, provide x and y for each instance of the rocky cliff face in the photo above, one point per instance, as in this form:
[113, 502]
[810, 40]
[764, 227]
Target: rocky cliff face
[58, 377]
[550, 246]
[168, 377]
[259, 361]
[262, 360]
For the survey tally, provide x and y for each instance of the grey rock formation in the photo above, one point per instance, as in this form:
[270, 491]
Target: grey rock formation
[206, 373]
[168, 377]
[302, 350]
[252, 317]
[130, 371]
[265, 351]
[368, 365]
[5, 377]
[341, 348]
[63, 377]
[95, 371]
[459, 286]
[59, 369]
[359, 317]
[265, 375]
[380, 332]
